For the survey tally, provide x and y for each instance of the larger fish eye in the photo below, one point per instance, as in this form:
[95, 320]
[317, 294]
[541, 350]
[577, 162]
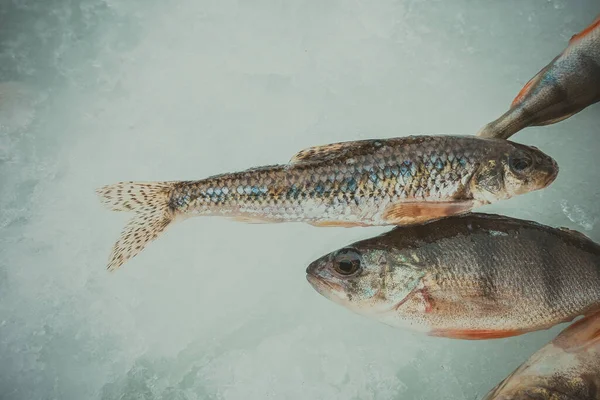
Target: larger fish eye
[347, 262]
[520, 163]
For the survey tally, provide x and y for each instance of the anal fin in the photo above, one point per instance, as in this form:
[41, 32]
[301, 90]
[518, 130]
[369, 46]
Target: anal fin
[415, 212]
[338, 224]
[557, 119]
[253, 219]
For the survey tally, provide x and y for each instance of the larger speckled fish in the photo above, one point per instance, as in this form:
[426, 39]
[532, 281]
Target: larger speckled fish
[368, 182]
[475, 276]
[567, 85]
[567, 368]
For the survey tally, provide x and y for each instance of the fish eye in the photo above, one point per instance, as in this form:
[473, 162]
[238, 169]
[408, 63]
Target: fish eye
[347, 262]
[519, 164]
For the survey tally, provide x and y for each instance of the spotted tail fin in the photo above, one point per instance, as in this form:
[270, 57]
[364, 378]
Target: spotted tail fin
[150, 201]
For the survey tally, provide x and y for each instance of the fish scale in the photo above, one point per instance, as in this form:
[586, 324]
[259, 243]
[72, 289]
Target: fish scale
[361, 180]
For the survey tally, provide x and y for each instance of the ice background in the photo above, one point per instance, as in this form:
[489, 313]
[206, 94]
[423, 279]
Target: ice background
[160, 90]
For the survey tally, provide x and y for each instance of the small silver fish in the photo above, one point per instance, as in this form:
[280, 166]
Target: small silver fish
[567, 368]
[567, 85]
[368, 182]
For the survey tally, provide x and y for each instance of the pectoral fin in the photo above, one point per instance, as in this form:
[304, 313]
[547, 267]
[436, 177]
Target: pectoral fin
[415, 212]
[580, 335]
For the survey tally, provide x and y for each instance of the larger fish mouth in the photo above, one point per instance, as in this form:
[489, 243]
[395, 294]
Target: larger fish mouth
[326, 289]
[552, 172]
[320, 283]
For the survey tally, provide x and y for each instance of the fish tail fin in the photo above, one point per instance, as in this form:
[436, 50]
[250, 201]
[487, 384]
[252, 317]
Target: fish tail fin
[150, 201]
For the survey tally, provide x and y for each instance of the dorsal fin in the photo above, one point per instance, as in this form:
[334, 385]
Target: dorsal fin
[531, 84]
[574, 233]
[523, 92]
[331, 151]
[595, 24]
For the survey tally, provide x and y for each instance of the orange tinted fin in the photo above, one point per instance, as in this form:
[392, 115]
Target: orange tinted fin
[339, 224]
[586, 31]
[580, 335]
[523, 91]
[408, 213]
[532, 82]
[475, 334]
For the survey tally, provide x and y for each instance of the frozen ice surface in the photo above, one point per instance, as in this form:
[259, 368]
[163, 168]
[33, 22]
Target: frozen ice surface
[153, 90]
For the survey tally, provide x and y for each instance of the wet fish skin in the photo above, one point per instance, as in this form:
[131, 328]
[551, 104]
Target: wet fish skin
[566, 86]
[475, 276]
[567, 368]
[369, 182]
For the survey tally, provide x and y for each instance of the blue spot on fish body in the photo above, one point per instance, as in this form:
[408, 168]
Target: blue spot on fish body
[293, 192]
[413, 169]
[351, 182]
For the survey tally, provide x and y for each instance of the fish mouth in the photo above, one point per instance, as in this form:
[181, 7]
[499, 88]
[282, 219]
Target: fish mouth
[318, 283]
[553, 172]
[322, 286]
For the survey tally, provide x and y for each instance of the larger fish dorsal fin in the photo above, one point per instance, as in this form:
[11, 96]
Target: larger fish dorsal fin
[580, 335]
[595, 24]
[531, 84]
[574, 233]
[330, 151]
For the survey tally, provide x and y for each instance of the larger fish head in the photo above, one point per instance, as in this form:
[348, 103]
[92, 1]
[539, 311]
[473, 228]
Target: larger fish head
[367, 280]
[516, 169]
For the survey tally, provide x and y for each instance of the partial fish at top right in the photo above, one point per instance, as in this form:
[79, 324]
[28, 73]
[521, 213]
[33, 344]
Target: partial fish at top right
[564, 87]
